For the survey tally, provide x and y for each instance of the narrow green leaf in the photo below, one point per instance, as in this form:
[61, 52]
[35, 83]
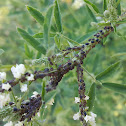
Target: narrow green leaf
[48, 16]
[119, 54]
[33, 42]
[121, 88]
[50, 95]
[40, 35]
[46, 34]
[27, 51]
[91, 14]
[70, 40]
[121, 22]
[93, 6]
[43, 90]
[38, 55]
[118, 7]
[105, 40]
[91, 94]
[57, 16]
[105, 5]
[108, 71]
[36, 14]
[1, 51]
[57, 41]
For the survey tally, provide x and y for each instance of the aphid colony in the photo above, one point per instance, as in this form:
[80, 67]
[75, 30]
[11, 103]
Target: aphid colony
[28, 109]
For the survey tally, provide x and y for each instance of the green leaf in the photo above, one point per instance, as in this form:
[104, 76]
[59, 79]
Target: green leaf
[48, 16]
[91, 14]
[93, 6]
[108, 71]
[119, 54]
[50, 95]
[36, 14]
[40, 35]
[121, 88]
[121, 22]
[119, 9]
[57, 16]
[33, 42]
[43, 90]
[105, 5]
[1, 51]
[28, 53]
[91, 94]
[46, 34]
[57, 41]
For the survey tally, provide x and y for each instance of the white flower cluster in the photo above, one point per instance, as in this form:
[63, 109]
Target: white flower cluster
[30, 78]
[77, 4]
[6, 86]
[18, 70]
[91, 118]
[24, 88]
[4, 98]
[35, 93]
[2, 76]
[76, 116]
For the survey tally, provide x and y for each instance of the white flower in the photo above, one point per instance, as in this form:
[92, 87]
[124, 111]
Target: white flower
[24, 88]
[6, 86]
[91, 118]
[2, 76]
[77, 4]
[9, 124]
[35, 93]
[76, 116]
[77, 99]
[86, 98]
[19, 124]
[87, 118]
[93, 115]
[51, 102]
[30, 78]
[18, 70]
[4, 98]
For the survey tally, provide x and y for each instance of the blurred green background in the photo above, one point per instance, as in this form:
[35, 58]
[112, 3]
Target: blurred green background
[110, 106]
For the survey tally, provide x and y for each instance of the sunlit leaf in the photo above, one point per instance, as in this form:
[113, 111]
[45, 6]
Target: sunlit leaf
[93, 6]
[50, 95]
[105, 5]
[91, 94]
[91, 14]
[121, 88]
[33, 42]
[36, 14]
[57, 16]
[108, 71]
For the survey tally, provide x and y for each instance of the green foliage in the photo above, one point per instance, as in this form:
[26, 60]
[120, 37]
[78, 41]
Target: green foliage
[34, 43]
[92, 5]
[57, 16]
[75, 25]
[108, 71]
[91, 94]
[36, 14]
[121, 88]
